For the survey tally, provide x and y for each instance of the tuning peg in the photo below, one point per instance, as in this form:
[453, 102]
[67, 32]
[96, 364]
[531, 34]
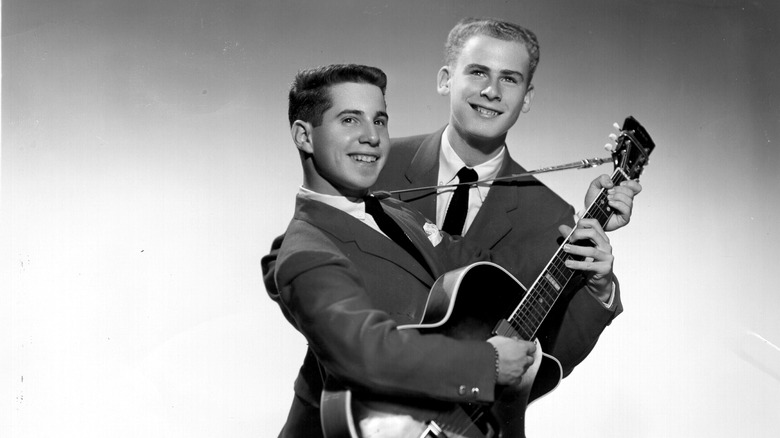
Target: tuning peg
[617, 126]
[609, 147]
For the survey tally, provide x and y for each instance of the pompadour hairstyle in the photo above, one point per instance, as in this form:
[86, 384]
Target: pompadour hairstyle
[309, 94]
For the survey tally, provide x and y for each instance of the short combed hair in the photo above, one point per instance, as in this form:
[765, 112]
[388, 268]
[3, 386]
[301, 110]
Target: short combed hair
[502, 30]
[310, 96]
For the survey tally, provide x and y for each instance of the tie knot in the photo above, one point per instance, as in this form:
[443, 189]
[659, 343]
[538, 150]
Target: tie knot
[466, 175]
[372, 205]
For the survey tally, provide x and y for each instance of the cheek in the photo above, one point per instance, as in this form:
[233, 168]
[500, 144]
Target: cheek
[465, 90]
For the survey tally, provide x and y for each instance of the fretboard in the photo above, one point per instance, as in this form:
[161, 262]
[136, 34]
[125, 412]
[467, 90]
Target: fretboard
[540, 298]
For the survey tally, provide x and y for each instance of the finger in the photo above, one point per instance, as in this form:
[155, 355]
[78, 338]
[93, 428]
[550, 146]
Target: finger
[586, 241]
[593, 225]
[601, 267]
[590, 229]
[624, 190]
[603, 181]
[621, 204]
[633, 185]
[589, 253]
[617, 196]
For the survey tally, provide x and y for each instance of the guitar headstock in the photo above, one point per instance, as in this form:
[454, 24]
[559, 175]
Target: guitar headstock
[633, 148]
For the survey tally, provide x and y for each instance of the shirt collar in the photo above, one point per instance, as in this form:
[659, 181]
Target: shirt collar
[352, 206]
[450, 163]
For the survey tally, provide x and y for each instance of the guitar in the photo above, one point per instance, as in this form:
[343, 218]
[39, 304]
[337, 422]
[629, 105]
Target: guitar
[456, 308]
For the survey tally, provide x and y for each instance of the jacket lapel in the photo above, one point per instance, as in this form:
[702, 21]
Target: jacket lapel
[492, 222]
[348, 229]
[423, 171]
[418, 238]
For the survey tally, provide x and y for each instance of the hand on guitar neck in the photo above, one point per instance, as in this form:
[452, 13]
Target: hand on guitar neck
[589, 240]
[620, 198]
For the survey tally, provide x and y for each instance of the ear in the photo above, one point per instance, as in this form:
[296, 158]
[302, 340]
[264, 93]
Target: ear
[302, 136]
[443, 81]
[529, 96]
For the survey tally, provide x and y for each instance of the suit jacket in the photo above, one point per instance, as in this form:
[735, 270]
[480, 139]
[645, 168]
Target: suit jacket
[346, 288]
[522, 215]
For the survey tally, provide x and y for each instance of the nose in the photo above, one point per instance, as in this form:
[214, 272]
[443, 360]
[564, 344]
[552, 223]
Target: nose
[492, 92]
[370, 135]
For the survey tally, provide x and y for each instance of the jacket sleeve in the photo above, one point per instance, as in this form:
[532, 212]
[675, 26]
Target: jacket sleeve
[363, 348]
[584, 319]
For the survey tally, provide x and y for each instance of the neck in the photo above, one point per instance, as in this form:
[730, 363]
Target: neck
[474, 151]
[318, 184]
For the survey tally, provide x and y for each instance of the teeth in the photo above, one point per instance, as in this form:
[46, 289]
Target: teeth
[486, 111]
[364, 158]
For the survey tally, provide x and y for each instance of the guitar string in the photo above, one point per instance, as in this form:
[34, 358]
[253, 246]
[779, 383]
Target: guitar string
[459, 424]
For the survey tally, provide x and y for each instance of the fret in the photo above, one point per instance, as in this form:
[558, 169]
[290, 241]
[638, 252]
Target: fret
[601, 209]
[550, 294]
[560, 269]
[525, 332]
[552, 281]
[529, 315]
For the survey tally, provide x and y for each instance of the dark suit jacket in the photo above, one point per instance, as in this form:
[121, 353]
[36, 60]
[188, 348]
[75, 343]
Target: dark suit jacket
[346, 288]
[520, 215]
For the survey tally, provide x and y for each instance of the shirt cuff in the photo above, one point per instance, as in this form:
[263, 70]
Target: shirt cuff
[608, 304]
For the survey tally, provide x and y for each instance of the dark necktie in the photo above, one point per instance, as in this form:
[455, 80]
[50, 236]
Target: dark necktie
[393, 230]
[459, 204]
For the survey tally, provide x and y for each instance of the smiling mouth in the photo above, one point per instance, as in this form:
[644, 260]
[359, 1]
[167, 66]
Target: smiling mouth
[363, 158]
[484, 111]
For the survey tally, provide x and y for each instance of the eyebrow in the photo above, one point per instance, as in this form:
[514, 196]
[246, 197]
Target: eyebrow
[361, 113]
[504, 71]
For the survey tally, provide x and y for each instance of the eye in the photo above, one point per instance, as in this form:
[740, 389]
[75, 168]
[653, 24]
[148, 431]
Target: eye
[380, 122]
[511, 80]
[349, 120]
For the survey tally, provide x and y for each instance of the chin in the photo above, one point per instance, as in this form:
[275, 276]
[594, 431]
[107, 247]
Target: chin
[486, 128]
[487, 134]
[363, 187]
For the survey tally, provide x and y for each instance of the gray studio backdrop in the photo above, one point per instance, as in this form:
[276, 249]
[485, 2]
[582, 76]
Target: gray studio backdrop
[147, 165]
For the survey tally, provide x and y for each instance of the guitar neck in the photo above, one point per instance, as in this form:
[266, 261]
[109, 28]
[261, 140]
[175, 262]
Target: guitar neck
[545, 291]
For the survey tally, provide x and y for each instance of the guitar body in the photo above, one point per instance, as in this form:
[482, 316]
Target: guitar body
[456, 308]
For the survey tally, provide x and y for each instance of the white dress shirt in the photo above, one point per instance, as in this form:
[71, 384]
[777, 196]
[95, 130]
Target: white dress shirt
[449, 165]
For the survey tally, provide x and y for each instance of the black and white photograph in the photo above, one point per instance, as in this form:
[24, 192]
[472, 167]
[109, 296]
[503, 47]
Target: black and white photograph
[413, 219]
